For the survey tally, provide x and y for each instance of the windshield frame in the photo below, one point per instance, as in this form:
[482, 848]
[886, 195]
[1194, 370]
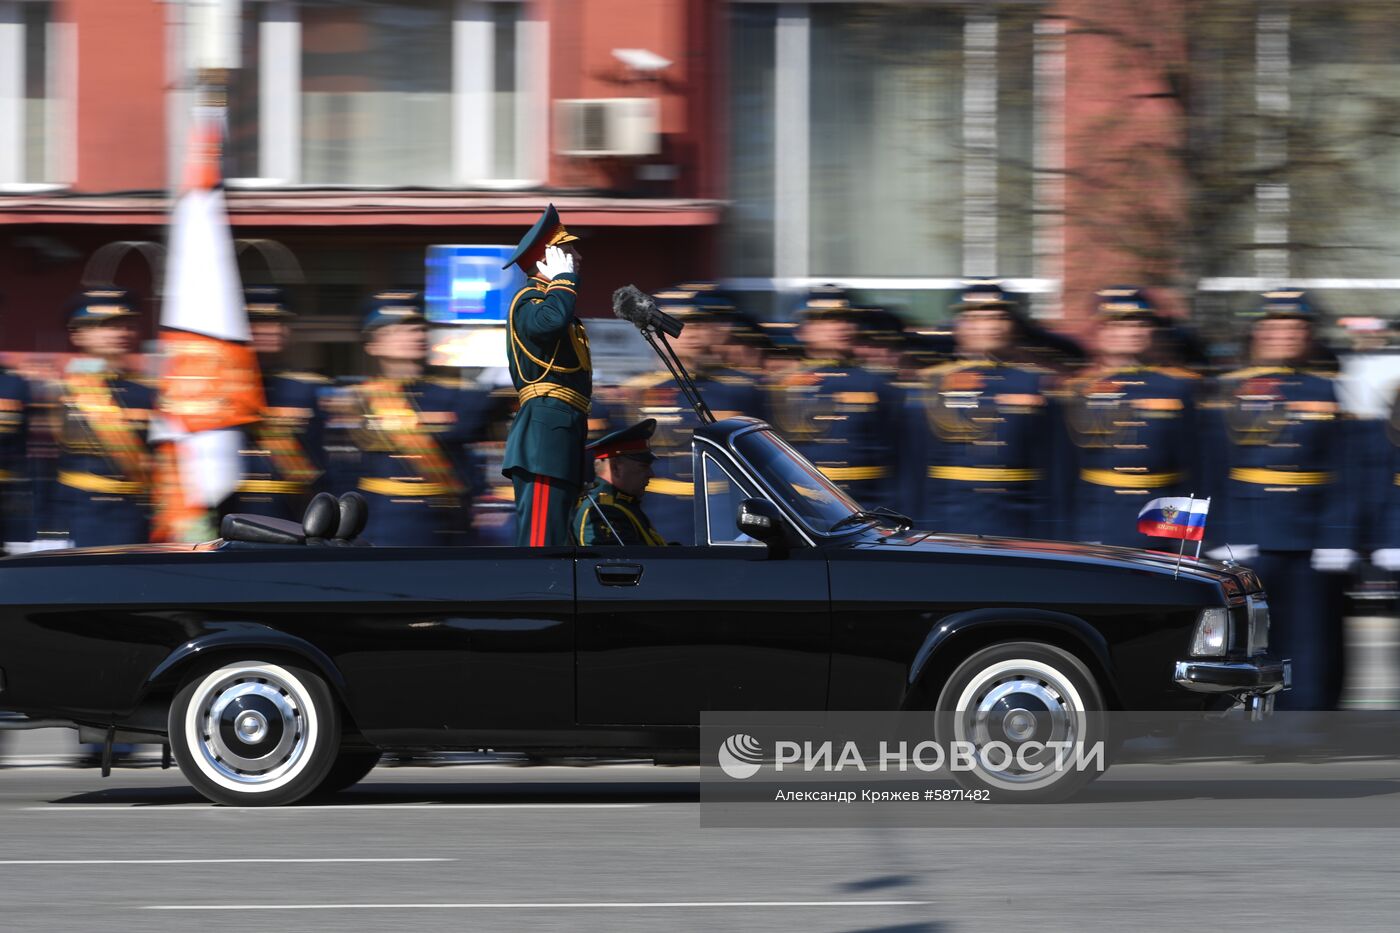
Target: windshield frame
[764, 482]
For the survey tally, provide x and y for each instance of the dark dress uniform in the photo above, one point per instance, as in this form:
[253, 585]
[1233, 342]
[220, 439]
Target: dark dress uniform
[104, 478]
[283, 455]
[550, 368]
[16, 520]
[1134, 437]
[606, 515]
[844, 418]
[415, 466]
[979, 450]
[1281, 485]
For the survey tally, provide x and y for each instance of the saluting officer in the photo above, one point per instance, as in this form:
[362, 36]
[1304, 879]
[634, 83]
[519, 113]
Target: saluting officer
[656, 397]
[104, 468]
[412, 433]
[283, 457]
[16, 522]
[838, 414]
[1132, 426]
[547, 351]
[610, 511]
[1282, 502]
[979, 430]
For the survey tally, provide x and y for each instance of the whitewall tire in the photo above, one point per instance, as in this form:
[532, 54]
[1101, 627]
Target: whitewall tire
[1038, 702]
[255, 733]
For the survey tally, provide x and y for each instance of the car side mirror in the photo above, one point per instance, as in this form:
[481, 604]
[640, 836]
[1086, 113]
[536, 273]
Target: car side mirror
[761, 520]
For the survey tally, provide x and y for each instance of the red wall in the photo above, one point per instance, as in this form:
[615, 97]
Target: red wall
[121, 93]
[1125, 195]
[583, 34]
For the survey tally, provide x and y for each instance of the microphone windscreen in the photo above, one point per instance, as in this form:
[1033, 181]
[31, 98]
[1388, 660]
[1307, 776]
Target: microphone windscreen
[632, 304]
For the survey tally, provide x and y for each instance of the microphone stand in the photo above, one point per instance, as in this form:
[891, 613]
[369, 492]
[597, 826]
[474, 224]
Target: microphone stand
[657, 338]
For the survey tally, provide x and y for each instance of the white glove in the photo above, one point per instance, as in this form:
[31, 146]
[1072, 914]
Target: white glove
[1387, 558]
[1235, 552]
[1333, 559]
[555, 262]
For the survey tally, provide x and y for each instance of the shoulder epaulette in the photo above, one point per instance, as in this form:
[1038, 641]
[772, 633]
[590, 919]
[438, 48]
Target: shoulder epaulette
[1174, 372]
[148, 382]
[313, 378]
[1322, 373]
[446, 382]
[731, 379]
[952, 366]
[1252, 371]
[648, 380]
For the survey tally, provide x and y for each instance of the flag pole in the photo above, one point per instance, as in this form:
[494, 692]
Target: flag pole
[1181, 549]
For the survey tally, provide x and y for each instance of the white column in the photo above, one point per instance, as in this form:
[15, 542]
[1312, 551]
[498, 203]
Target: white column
[533, 113]
[11, 93]
[1048, 197]
[279, 93]
[63, 103]
[179, 98]
[1272, 64]
[792, 87]
[473, 80]
[980, 146]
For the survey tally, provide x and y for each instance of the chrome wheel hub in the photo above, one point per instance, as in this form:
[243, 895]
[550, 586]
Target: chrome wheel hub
[252, 726]
[1012, 712]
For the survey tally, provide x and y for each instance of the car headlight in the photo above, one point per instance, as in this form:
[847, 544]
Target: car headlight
[1212, 633]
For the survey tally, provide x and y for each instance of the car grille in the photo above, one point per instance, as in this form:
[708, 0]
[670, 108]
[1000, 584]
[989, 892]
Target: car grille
[1257, 610]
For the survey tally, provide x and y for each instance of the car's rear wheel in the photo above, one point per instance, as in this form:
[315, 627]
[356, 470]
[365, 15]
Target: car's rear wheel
[350, 768]
[1031, 714]
[255, 733]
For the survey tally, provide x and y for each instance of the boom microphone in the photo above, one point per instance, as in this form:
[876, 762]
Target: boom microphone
[635, 306]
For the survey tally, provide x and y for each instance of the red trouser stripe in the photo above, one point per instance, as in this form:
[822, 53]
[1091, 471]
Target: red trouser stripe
[539, 519]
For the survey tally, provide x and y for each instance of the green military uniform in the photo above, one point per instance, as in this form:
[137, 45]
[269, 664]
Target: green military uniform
[607, 515]
[553, 377]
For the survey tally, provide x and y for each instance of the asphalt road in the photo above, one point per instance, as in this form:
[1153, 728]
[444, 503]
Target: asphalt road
[621, 847]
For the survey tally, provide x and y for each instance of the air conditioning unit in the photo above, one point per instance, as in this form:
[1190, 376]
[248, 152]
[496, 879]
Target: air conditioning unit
[616, 126]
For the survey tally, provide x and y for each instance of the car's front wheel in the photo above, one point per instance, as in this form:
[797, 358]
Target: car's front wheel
[255, 733]
[1029, 719]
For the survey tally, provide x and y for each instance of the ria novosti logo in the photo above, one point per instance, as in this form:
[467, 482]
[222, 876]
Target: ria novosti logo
[740, 756]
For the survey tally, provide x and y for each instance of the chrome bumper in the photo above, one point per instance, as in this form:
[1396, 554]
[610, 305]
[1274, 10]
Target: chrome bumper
[1242, 678]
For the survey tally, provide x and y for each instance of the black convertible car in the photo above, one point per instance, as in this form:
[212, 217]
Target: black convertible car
[280, 661]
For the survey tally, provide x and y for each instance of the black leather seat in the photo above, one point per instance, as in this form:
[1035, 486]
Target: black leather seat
[327, 521]
[260, 529]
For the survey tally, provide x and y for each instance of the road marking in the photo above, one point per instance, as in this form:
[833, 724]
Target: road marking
[366, 807]
[525, 905]
[210, 861]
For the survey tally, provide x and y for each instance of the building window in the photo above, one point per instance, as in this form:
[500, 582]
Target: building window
[376, 79]
[878, 141]
[387, 93]
[30, 111]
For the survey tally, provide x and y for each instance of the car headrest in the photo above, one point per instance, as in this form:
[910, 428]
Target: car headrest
[354, 513]
[322, 516]
[260, 529]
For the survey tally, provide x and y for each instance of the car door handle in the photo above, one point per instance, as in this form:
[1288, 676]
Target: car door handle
[619, 574]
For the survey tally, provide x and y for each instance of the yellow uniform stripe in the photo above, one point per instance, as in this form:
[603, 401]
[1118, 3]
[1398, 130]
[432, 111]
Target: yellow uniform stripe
[550, 390]
[274, 486]
[983, 474]
[400, 487]
[848, 474]
[1130, 480]
[670, 487]
[1260, 477]
[91, 482]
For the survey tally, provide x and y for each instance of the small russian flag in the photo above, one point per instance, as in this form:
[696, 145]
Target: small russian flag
[1177, 517]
